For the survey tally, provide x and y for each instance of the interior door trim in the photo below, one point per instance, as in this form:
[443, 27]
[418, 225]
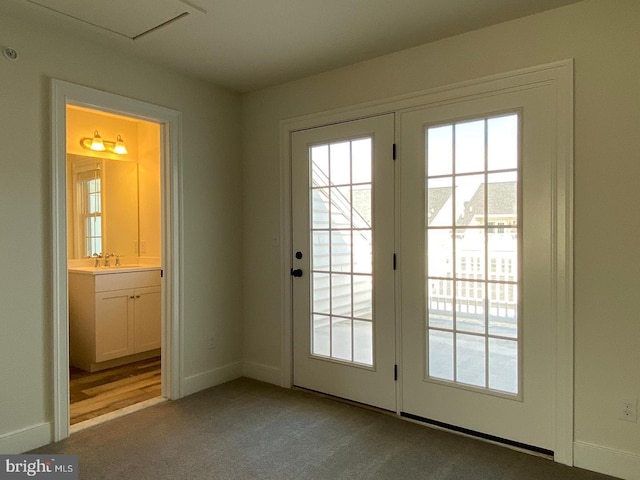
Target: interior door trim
[63, 94]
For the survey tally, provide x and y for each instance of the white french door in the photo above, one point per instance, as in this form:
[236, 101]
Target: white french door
[476, 256]
[343, 239]
[476, 210]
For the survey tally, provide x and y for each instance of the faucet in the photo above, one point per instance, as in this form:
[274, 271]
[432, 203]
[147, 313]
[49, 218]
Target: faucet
[106, 259]
[98, 256]
[117, 260]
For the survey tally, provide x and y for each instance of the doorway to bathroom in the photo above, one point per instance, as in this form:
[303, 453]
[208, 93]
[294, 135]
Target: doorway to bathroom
[116, 258]
[114, 248]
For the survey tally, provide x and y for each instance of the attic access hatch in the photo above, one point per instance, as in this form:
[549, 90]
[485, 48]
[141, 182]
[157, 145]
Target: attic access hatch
[131, 19]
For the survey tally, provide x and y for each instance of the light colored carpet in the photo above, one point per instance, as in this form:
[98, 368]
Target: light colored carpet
[250, 430]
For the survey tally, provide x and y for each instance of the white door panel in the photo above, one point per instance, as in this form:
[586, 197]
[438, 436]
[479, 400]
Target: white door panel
[343, 233]
[478, 338]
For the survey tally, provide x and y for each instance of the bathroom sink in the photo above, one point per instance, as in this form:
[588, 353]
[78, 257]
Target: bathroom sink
[120, 268]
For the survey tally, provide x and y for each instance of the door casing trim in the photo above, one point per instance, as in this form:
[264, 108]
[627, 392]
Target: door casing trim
[560, 76]
[63, 94]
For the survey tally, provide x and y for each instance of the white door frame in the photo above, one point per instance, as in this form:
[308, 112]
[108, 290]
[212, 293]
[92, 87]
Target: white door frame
[63, 94]
[559, 75]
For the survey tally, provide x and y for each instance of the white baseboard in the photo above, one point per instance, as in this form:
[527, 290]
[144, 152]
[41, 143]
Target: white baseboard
[606, 460]
[26, 439]
[202, 381]
[261, 372]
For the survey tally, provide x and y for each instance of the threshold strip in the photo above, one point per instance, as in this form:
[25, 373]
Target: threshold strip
[483, 436]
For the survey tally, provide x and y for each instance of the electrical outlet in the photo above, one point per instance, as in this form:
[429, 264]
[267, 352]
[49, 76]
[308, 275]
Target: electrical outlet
[629, 410]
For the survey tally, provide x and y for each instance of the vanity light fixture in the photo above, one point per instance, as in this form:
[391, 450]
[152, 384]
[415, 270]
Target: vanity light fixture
[119, 147]
[97, 144]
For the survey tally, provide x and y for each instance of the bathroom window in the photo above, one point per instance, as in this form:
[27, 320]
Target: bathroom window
[89, 197]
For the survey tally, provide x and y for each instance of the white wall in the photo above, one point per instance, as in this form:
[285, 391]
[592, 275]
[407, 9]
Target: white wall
[211, 211]
[604, 39]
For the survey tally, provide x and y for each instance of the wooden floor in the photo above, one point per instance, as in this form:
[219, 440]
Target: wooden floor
[98, 393]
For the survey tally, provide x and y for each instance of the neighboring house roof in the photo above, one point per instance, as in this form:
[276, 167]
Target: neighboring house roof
[502, 202]
[436, 199]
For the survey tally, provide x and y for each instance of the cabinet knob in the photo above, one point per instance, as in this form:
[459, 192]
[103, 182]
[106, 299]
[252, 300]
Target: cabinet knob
[132, 296]
[137, 296]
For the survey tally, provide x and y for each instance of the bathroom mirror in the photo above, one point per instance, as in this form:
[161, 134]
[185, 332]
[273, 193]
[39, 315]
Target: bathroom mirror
[103, 213]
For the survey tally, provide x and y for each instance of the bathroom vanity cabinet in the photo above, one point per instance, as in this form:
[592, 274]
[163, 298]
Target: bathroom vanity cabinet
[114, 316]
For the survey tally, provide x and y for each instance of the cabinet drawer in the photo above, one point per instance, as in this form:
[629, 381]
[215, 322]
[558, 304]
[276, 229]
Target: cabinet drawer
[122, 280]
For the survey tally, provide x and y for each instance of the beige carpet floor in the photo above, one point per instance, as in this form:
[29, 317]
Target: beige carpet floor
[246, 429]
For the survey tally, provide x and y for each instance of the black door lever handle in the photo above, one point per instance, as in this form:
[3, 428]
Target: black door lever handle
[296, 273]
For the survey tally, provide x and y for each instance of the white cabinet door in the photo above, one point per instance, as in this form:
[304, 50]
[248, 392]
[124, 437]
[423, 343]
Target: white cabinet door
[114, 329]
[147, 331]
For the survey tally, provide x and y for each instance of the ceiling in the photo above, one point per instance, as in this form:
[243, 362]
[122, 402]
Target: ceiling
[246, 45]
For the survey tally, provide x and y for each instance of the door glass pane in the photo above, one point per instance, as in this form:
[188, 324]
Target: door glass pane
[440, 303]
[341, 295]
[362, 259]
[341, 250]
[502, 252]
[340, 207]
[341, 336]
[440, 253]
[502, 199]
[362, 342]
[441, 355]
[470, 253]
[321, 288]
[362, 300]
[503, 365]
[341, 192]
[361, 168]
[320, 165]
[361, 197]
[340, 163]
[320, 204]
[440, 150]
[469, 203]
[321, 250]
[503, 311]
[469, 146]
[472, 261]
[470, 307]
[439, 206]
[321, 335]
[470, 362]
